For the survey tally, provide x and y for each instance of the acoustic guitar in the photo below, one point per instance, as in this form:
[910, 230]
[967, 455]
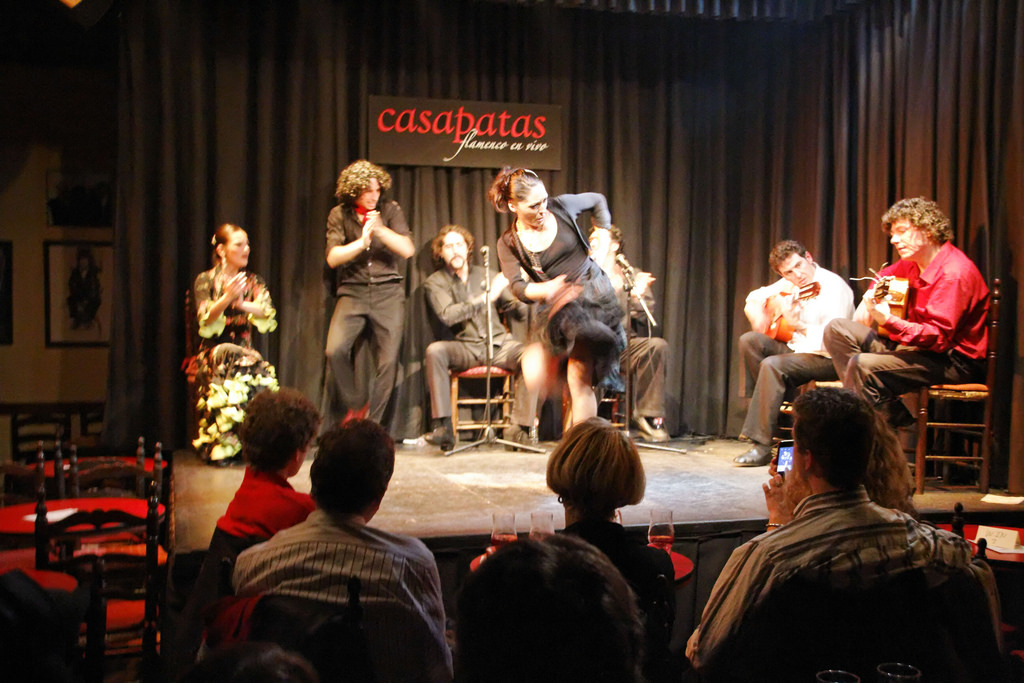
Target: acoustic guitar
[894, 291]
[777, 328]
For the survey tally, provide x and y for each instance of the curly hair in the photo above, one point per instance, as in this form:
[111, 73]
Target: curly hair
[355, 179]
[923, 214]
[437, 244]
[277, 423]
[509, 184]
[596, 469]
[353, 466]
[782, 251]
[887, 480]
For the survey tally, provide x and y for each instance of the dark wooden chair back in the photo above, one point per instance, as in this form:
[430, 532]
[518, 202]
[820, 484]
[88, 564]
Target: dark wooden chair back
[331, 638]
[804, 627]
[134, 579]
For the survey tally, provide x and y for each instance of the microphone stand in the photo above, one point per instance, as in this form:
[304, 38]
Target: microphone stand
[489, 436]
[628, 284]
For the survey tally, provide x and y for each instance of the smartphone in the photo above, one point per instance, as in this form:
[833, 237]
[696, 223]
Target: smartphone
[785, 456]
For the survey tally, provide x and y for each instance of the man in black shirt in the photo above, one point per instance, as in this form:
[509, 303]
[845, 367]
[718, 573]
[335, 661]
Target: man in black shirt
[367, 241]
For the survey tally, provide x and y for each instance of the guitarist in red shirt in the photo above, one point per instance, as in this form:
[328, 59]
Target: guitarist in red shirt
[943, 338]
[783, 349]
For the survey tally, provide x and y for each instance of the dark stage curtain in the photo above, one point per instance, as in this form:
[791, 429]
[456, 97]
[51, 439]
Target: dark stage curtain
[711, 139]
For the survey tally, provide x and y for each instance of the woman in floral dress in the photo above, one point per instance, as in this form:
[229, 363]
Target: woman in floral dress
[229, 302]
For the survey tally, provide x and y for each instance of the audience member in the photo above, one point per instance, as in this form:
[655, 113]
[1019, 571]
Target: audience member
[401, 590]
[838, 539]
[887, 480]
[545, 612]
[276, 434]
[596, 469]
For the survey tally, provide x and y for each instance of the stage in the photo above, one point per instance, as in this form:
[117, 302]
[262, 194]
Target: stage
[447, 502]
[432, 496]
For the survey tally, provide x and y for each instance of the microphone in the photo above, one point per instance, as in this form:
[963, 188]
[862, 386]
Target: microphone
[623, 263]
[486, 253]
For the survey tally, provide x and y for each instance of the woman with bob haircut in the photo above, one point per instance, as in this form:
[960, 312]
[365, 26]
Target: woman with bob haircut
[595, 470]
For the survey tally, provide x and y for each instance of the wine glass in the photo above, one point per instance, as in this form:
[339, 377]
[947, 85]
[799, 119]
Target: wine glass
[836, 676]
[503, 529]
[896, 671]
[661, 532]
[542, 525]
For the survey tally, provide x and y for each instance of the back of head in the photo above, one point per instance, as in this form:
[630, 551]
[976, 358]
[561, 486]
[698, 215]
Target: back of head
[837, 427]
[353, 466]
[276, 425]
[888, 480]
[553, 610]
[596, 469]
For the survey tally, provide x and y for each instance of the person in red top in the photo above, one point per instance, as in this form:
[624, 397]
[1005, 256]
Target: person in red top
[276, 434]
[943, 337]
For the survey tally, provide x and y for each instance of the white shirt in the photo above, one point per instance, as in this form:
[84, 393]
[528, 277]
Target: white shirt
[835, 300]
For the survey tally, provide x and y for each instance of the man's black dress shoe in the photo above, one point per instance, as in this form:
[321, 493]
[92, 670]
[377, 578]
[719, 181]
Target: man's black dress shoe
[648, 431]
[442, 435]
[758, 456]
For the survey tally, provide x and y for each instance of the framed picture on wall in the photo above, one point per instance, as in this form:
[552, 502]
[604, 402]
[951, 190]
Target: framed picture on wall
[6, 298]
[79, 199]
[79, 281]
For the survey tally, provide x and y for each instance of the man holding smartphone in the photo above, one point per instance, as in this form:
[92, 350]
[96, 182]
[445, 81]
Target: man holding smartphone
[837, 539]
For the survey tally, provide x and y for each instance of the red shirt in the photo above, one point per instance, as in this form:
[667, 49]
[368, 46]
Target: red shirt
[264, 504]
[947, 305]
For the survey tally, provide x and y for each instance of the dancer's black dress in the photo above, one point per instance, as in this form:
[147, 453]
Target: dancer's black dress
[593, 318]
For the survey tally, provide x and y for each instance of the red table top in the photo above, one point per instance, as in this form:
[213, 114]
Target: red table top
[971, 532]
[681, 564]
[52, 580]
[21, 519]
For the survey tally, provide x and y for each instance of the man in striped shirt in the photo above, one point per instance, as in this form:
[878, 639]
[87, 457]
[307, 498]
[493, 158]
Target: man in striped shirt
[837, 537]
[401, 590]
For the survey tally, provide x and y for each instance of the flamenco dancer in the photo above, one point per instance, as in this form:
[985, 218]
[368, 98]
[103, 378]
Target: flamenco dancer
[579, 319]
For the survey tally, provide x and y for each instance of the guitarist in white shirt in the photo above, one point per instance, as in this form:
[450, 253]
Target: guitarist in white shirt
[784, 347]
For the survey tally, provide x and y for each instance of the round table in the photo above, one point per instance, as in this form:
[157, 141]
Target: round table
[18, 522]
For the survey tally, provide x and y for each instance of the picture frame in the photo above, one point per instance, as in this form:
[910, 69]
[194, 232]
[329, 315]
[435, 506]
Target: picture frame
[79, 276]
[79, 199]
[6, 295]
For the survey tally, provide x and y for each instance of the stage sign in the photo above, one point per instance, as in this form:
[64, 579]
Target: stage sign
[428, 132]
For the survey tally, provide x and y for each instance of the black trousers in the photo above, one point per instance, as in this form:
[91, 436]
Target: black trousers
[442, 356]
[645, 358]
[881, 370]
[777, 372]
[380, 311]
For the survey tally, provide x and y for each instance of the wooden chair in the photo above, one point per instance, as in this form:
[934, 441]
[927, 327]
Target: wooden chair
[21, 483]
[504, 400]
[31, 425]
[114, 477]
[976, 435]
[126, 586]
[330, 637]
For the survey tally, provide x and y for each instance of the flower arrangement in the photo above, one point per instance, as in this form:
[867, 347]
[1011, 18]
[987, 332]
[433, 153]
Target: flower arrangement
[222, 409]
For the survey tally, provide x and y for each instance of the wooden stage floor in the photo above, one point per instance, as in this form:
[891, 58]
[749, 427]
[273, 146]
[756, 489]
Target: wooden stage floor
[435, 496]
